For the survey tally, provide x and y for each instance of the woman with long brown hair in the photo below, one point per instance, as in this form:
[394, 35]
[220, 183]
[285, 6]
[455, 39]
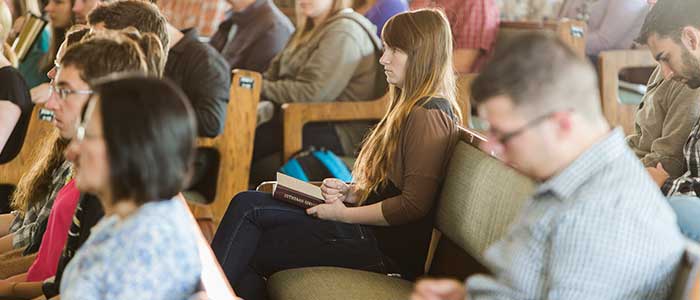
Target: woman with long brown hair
[383, 221]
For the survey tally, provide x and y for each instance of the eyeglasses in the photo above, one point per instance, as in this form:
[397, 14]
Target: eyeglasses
[505, 137]
[80, 131]
[63, 92]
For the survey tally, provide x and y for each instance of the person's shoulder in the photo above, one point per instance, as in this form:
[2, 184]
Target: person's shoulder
[9, 73]
[435, 104]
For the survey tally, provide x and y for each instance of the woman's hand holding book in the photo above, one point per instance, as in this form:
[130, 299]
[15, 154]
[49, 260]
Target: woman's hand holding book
[334, 189]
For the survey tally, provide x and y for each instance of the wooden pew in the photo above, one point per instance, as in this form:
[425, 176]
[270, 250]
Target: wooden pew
[471, 214]
[572, 32]
[610, 63]
[37, 131]
[296, 115]
[235, 144]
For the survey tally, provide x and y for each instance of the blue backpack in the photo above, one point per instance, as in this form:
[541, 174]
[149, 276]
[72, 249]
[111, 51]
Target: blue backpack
[316, 165]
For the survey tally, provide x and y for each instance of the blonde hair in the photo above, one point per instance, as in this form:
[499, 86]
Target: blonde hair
[425, 37]
[33, 187]
[306, 29]
[5, 28]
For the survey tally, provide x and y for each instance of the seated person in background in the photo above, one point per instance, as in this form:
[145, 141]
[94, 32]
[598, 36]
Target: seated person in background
[15, 102]
[197, 68]
[474, 25]
[145, 247]
[597, 227]
[612, 24]
[379, 11]
[671, 31]
[663, 122]
[125, 55]
[81, 9]
[398, 175]
[253, 32]
[333, 56]
[60, 19]
[15, 106]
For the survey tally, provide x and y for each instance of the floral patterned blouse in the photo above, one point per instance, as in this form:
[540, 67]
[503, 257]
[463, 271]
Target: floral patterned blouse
[152, 254]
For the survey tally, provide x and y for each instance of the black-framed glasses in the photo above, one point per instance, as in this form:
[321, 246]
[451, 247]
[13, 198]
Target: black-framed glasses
[64, 92]
[505, 137]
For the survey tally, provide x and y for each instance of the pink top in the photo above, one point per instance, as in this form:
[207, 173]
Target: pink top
[56, 233]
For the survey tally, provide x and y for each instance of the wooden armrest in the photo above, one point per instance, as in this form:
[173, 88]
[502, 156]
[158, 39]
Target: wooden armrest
[266, 187]
[296, 115]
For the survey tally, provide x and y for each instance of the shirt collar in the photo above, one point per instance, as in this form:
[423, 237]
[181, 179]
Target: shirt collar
[601, 154]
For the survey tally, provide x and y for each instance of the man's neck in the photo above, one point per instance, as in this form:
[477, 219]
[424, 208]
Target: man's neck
[585, 138]
[175, 36]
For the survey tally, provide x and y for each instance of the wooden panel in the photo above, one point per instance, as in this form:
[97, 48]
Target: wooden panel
[610, 63]
[296, 115]
[235, 144]
[571, 32]
[37, 131]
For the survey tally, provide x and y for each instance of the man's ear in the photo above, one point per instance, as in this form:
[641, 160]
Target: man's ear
[563, 121]
[690, 37]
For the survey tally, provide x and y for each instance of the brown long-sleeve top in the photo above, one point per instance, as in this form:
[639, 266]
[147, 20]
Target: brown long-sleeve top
[408, 200]
[663, 122]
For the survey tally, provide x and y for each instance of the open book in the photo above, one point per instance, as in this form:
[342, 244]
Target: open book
[295, 191]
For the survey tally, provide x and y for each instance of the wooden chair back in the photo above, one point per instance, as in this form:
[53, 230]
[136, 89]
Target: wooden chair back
[296, 115]
[571, 32]
[12, 171]
[235, 144]
[610, 63]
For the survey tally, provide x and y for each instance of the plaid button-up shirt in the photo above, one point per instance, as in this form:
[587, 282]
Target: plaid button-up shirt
[689, 183]
[474, 24]
[24, 227]
[600, 229]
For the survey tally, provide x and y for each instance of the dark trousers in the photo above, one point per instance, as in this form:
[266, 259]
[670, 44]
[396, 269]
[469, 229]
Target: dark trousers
[259, 236]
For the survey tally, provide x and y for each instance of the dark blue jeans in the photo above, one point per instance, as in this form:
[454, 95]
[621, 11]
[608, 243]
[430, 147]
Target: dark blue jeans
[259, 236]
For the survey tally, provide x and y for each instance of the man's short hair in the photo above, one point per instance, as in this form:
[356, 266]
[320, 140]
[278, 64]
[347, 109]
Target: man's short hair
[139, 14]
[668, 17]
[540, 74]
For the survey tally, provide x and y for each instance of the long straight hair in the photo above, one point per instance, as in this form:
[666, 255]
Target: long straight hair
[305, 27]
[425, 36]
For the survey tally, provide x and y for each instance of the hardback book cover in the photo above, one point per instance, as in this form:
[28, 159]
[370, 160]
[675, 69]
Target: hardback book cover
[296, 192]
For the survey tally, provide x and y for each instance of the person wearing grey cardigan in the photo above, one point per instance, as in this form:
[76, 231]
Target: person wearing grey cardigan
[338, 62]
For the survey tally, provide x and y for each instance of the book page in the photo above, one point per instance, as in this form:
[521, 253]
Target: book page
[300, 186]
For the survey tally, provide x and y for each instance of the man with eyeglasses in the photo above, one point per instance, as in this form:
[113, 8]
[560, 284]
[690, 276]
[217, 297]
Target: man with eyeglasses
[597, 227]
